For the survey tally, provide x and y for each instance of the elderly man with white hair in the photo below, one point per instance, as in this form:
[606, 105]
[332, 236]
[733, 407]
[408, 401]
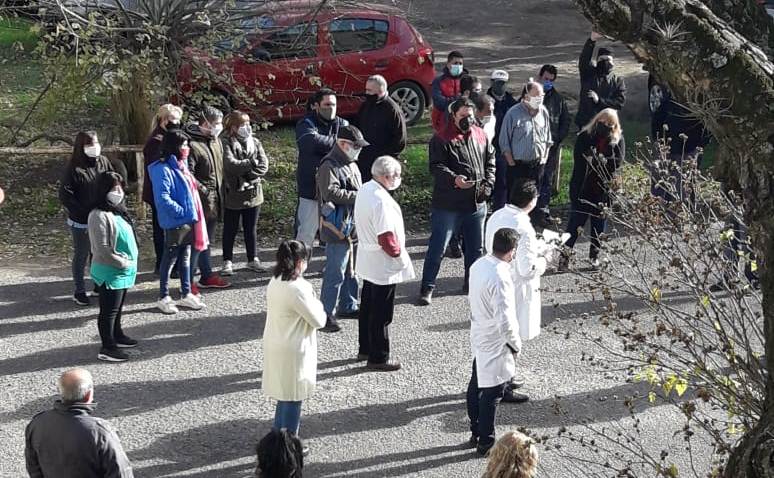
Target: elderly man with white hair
[382, 261]
[67, 442]
[382, 123]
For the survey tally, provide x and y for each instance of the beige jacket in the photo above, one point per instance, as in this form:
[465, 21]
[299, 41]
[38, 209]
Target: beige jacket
[290, 339]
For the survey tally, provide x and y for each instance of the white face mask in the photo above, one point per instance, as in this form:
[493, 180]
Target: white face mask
[395, 184]
[245, 131]
[486, 120]
[353, 152]
[535, 102]
[115, 197]
[216, 130]
[93, 150]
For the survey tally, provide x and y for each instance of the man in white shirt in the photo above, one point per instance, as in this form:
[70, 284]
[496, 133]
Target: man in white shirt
[382, 261]
[494, 336]
[527, 267]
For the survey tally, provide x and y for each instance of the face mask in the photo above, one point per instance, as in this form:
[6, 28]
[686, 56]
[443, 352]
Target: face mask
[92, 151]
[353, 152]
[477, 91]
[604, 67]
[327, 112]
[465, 124]
[535, 102]
[603, 130]
[245, 131]
[216, 130]
[548, 85]
[371, 98]
[395, 184]
[486, 120]
[115, 197]
[498, 88]
[184, 152]
[455, 70]
[173, 124]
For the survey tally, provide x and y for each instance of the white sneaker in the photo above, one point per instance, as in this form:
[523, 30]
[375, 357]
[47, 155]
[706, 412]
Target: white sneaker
[228, 269]
[167, 305]
[256, 266]
[192, 302]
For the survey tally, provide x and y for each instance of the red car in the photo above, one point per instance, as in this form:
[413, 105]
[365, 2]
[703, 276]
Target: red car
[297, 52]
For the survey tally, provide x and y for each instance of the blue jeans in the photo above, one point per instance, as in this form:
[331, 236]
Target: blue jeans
[339, 283]
[443, 223]
[183, 255]
[288, 416]
[81, 253]
[579, 215]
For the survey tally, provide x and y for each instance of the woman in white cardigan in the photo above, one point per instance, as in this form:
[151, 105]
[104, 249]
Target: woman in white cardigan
[290, 338]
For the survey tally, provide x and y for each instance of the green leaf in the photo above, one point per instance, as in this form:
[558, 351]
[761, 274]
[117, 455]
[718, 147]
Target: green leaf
[705, 301]
[681, 386]
[652, 397]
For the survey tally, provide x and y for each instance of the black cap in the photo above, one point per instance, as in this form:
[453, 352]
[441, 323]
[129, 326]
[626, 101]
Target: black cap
[351, 133]
[604, 51]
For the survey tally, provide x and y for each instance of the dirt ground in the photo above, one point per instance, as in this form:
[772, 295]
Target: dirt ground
[520, 37]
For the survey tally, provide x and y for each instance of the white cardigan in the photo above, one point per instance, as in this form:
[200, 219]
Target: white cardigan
[290, 339]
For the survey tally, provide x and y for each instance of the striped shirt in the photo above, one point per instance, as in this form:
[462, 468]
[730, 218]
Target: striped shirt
[526, 137]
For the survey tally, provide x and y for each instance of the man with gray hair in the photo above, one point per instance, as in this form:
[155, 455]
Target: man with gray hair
[382, 123]
[67, 442]
[382, 261]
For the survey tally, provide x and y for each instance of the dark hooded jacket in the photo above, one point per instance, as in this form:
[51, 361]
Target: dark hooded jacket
[610, 88]
[382, 124]
[338, 181]
[67, 442]
[206, 163]
[595, 163]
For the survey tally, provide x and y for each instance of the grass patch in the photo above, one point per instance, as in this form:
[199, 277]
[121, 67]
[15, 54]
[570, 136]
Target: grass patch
[16, 36]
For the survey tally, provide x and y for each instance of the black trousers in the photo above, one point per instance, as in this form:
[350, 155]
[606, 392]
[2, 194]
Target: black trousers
[377, 303]
[526, 170]
[158, 237]
[111, 303]
[482, 407]
[231, 219]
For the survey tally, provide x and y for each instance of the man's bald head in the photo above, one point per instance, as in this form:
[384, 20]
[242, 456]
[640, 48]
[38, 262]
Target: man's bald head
[76, 385]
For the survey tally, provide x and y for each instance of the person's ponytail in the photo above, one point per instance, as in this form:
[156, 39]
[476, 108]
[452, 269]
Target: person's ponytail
[288, 253]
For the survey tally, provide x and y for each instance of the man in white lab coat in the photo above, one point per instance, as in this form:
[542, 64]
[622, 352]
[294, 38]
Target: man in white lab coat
[494, 336]
[528, 265]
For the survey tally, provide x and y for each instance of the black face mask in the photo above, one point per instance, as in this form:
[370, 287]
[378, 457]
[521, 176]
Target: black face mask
[371, 98]
[603, 130]
[465, 124]
[498, 88]
[604, 67]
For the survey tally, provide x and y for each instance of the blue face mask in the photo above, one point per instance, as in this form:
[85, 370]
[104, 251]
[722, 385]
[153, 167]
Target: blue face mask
[548, 85]
[455, 70]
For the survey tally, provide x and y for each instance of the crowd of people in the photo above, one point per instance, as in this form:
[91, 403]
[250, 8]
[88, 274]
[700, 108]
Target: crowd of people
[497, 149]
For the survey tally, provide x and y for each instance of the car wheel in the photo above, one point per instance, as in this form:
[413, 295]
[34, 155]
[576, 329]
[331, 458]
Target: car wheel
[411, 100]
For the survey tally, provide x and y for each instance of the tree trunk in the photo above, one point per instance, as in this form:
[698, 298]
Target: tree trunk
[708, 54]
[131, 106]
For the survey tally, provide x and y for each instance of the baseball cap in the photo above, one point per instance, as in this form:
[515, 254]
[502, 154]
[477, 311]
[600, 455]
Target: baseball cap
[351, 133]
[499, 75]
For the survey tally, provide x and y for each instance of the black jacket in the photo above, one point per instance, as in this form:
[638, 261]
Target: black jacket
[67, 442]
[610, 88]
[314, 138]
[593, 169]
[206, 163]
[678, 120]
[559, 115]
[501, 107]
[382, 125]
[78, 191]
[472, 156]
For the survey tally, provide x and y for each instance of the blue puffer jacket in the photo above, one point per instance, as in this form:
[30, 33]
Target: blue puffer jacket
[171, 194]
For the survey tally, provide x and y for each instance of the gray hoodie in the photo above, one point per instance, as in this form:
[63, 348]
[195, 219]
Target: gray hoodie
[67, 442]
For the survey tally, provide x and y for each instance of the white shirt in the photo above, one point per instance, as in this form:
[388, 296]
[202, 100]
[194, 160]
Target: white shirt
[527, 266]
[376, 212]
[494, 330]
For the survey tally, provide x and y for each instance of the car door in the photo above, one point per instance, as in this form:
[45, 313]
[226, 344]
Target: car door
[280, 70]
[356, 49]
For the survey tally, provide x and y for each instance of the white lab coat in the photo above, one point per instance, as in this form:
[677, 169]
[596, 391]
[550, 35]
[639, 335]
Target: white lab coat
[527, 266]
[494, 331]
[376, 212]
[293, 315]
